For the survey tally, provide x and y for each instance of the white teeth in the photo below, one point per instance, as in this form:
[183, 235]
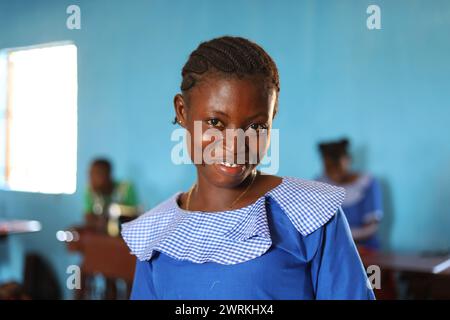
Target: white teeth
[227, 164]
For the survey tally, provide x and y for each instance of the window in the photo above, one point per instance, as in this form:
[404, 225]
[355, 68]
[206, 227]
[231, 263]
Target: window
[38, 119]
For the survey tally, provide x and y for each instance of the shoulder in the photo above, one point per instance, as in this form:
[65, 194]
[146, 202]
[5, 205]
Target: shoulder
[373, 181]
[161, 212]
[367, 182]
[153, 222]
[124, 185]
[308, 204]
[87, 191]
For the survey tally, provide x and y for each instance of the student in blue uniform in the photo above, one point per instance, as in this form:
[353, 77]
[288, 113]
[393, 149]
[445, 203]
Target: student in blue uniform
[363, 205]
[237, 233]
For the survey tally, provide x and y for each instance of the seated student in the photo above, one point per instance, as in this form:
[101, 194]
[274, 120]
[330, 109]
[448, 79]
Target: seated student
[103, 192]
[238, 233]
[363, 200]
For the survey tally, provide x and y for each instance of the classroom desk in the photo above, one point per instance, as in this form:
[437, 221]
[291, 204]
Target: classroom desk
[420, 277]
[9, 227]
[105, 255]
[409, 263]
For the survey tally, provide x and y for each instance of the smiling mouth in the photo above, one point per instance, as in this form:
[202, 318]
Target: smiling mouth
[230, 169]
[228, 164]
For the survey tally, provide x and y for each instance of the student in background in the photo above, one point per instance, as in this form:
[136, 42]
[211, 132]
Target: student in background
[107, 200]
[363, 201]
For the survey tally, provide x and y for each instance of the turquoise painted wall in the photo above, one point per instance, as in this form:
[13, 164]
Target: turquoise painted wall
[388, 90]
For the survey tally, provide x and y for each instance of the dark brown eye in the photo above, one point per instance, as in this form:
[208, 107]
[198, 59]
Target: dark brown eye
[214, 122]
[256, 126]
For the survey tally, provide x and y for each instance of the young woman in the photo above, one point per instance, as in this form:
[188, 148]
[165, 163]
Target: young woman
[363, 204]
[237, 233]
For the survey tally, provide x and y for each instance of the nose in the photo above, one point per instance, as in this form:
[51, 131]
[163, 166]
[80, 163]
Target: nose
[235, 145]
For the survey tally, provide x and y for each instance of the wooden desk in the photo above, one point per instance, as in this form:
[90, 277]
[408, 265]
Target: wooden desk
[409, 263]
[105, 255]
[424, 277]
[8, 227]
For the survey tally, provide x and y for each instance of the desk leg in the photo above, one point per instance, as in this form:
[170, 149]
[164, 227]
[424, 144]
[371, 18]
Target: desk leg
[110, 289]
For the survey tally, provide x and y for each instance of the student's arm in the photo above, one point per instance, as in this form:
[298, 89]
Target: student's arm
[336, 269]
[372, 212]
[88, 202]
[131, 198]
[127, 192]
[143, 288]
[365, 232]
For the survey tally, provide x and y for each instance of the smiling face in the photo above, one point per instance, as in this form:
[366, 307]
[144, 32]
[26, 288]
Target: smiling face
[227, 104]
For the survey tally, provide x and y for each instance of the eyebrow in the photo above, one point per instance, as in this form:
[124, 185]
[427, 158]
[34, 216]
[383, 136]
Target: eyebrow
[220, 112]
[263, 114]
[257, 115]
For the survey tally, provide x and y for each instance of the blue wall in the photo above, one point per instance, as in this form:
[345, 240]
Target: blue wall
[388, 90]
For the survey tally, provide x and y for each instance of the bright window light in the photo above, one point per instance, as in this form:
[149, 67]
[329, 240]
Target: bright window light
[39, 125]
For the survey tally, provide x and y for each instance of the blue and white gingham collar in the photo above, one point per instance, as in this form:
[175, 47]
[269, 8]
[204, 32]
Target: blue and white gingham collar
[234, 236]
[308, 204]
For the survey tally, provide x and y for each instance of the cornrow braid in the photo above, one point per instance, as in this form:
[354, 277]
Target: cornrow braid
[233, 56]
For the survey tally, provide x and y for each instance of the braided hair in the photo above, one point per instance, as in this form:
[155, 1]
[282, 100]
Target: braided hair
[335, 150]
[230, 57]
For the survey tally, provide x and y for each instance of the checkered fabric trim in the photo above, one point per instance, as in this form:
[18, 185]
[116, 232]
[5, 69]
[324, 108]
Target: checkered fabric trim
[229, 237]
[308, 204]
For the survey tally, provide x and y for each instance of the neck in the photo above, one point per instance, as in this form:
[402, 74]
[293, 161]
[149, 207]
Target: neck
[216, 198]
[342, 177]
[108, 189]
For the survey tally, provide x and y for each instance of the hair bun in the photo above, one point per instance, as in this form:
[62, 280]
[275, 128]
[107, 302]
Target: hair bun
[345, 142]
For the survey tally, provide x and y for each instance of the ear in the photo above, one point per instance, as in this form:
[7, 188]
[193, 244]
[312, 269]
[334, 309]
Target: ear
[274, 96]
[180, 106]
[275, 111]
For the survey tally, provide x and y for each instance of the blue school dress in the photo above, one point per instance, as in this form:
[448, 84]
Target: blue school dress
[363, 203]
[292, 243]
